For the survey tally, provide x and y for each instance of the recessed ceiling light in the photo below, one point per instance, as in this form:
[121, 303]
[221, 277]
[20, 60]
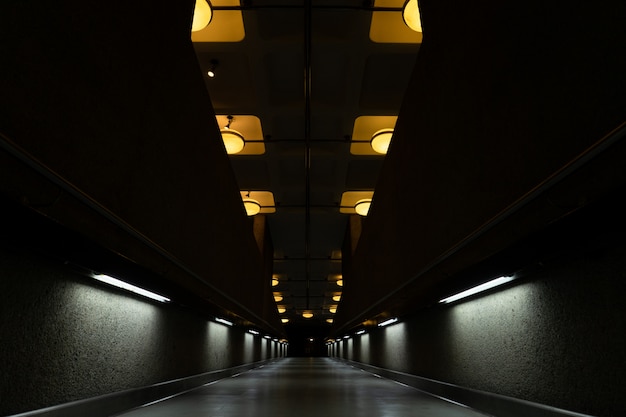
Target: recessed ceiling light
[340, 282]
[381, 139]
[411, 15]
[336, 297]
[284, 320]
[362, 207]
[281, 309]
[278, 298]
[202, 15]
[307, 315]
[252, 208]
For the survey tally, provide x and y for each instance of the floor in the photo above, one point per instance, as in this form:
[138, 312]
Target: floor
[304, 387]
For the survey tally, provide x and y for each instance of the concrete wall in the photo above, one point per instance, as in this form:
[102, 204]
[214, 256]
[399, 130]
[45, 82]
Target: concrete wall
[65, 337]
[556, 338]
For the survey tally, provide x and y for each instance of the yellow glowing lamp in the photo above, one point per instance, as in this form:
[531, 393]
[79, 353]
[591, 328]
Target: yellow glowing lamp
[307, 315]
[362, 207]
[411, 15]
[278, 298]
[285, 320]
[281, 310]
[340, 282]
[202, 15]
[252, 208]
[333, 309]
[233, 141]
[329, 321]
[380, 140]
[336, 297]
[275, 281]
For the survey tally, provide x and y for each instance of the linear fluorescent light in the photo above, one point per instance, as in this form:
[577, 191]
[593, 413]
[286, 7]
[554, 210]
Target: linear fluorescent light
[387, 322]
[226, 322]
[129, 287]
[254, 332]
[360, 332]
[475, 290]
[267, 337]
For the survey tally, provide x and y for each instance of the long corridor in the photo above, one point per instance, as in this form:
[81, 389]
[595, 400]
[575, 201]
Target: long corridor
[304, 387]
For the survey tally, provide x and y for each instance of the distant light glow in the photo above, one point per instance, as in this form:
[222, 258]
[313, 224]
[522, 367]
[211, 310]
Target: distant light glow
[278, 297]
[307, 315]
[340, 282]
[254, 332]
[129, 287]
[387, 322]
[223, 321]
[275, 282]
[333, 309]
[284, 320]
[336, 297]
[346, 337]
[360, 332]
[267, 337]
[475, 290]
[330, 321]
[211, 73]
[281, 309]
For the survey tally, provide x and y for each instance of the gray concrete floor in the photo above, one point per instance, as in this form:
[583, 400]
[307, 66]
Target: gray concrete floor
[304, 387]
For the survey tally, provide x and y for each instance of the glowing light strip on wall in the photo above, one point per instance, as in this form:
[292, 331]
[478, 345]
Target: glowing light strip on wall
[475, 290]
[226, 322]
[129, 287]
[387, 322]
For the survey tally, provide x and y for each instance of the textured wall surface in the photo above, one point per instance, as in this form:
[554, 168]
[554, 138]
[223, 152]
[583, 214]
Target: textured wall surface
[64, 337]
[556, 338]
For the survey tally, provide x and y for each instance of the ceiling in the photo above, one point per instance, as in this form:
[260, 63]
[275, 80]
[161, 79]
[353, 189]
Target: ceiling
[307, 84]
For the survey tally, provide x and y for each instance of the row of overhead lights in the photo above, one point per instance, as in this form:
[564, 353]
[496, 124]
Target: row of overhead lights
[115, 282]
[203, 13]
[447, 300]
[308, 314]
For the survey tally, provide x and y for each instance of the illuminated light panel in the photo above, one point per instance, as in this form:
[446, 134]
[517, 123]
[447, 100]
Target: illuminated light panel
[265, 199]
[275, 282]
[389, 27]
[330, 321]
[340, 282]
[360, 332]
[307, 315]
[387, 322]
[381, 140]
[130, 287]
[254, 332]
[336, 297]
[278, 298]
[234, 141]
[475, 290]
[411, 16]
[252, 207]
[333, 309]
[281, 309]
[267, 337]
[362, 207]
[349, 200]
[226, 322]
[285, 320]
[202, 15]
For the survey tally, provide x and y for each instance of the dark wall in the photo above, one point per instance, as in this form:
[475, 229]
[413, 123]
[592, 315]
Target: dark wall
[65, 337]
[554, 337]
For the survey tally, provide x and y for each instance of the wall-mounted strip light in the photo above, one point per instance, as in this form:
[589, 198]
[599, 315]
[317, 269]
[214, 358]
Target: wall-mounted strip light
[226, 322]
[360, 332]
[129, 287]
[387, 322]
[267, 337]
[254, 332]
[475, 290]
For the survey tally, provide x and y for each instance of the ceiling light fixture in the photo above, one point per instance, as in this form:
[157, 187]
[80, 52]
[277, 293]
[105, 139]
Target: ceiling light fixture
[275, 281]
[340, 282]
[480, 288]
[337, 297]
[212, 68]
[226, 322]
[380, 140]
[360, 332]
[234, 141]
[330, 321]
[387, 322]
[284, 320]
[307, 315]
[129, 287]
[362, 207]
[333, 309]
[254, 332]
[278, 297]
[281, 309]
[202, 15]
[411, 15]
